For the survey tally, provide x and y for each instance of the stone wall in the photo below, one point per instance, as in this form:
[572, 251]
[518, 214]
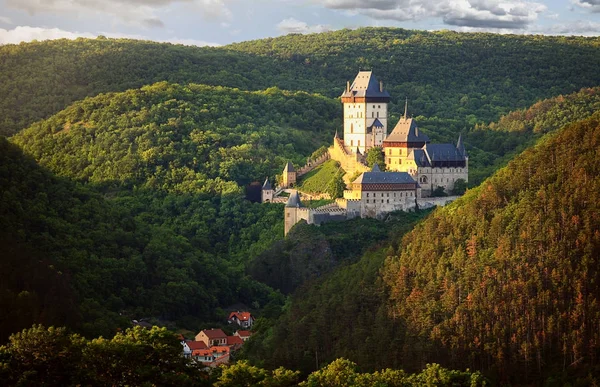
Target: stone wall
[349, 161]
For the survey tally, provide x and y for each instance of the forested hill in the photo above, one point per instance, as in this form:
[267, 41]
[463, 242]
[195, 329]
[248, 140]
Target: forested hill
[445, 74]
[506, 279]
[452, 79]
[192, 139]
[39, 79]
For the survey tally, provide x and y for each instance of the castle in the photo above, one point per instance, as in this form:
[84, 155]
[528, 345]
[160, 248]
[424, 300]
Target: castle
[415, 168]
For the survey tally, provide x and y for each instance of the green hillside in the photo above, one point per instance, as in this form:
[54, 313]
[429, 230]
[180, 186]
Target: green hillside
[39, 79]
[504, 280]
[72, 257]
[193, 138]
[454, 80]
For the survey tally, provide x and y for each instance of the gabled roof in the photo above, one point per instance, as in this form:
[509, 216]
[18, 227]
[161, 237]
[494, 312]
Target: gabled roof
[289, 167]
[294, 200]
[377, 124]
[420, 157]
[214, 333]
[267, 185]
[242, 316]
[365, 85]
[406, 130]
[196, 345]
[234, 340]
[375, 177]
[376, 168]
[243, 333]
[443, 152]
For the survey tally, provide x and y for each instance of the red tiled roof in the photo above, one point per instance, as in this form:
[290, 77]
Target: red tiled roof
[196, 345]
[233, 340]
[214, 333]
[242, 316]
[244, 333]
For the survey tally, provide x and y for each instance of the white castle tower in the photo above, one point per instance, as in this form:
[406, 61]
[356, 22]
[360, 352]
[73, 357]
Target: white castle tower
[365, 113]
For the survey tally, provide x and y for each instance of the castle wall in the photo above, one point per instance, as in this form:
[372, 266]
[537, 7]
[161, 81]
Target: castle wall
[350, 162]
[374, 204]
[431, 178]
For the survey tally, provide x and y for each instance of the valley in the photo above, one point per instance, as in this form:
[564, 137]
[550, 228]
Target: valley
[127, 193]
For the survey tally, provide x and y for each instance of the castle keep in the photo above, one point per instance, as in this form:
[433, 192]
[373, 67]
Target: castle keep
[415, 167]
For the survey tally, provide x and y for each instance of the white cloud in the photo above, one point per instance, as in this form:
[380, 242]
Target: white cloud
[26, 34]
[5, 20]
[291, 25]
[579, 27]
[139, 13]
[511, 14]
[590, 5]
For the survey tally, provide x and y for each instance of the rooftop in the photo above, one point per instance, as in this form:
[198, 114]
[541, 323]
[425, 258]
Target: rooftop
[406, 130]
[378, 177]
[365, 85]
[294, 200]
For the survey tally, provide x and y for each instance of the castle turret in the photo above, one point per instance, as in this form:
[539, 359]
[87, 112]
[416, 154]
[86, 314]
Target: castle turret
[291, 211]
[365, 101]
[267, 192]
[289, 175]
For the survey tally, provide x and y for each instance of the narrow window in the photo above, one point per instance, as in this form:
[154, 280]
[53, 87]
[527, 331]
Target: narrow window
[351, 142]
[388, 201]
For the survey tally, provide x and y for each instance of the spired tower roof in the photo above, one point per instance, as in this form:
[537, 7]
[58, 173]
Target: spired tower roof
[461, 146]
[294, 200]
[366, 86]
[406, 130]
[289, 167]
[266, 186]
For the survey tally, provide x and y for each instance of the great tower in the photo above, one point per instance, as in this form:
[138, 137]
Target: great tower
[365, 112]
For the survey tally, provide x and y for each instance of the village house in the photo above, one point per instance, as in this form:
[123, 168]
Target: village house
[212, 337]
[244, 335]
[213, 356]
[243, 319]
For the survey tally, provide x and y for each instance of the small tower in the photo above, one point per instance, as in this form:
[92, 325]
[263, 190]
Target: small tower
[289, 175]
[291, 211]
[267, 192]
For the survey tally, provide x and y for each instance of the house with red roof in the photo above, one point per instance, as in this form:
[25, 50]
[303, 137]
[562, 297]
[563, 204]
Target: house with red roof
[243, 319]
[212, 357]
[234, 342]
[212, 337]
[244, 335]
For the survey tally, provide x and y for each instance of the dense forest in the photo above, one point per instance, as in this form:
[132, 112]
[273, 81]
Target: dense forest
[108, 261]
[503, 280]
[453, 79]
[142, 357]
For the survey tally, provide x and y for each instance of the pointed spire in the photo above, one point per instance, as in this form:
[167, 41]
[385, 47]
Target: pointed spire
[336, 135]
[357, 151]
[376, 168]
[266, 185]
[406, 108]
[460, 146]
[294, 200]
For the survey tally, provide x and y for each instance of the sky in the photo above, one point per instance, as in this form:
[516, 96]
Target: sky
[219, 22]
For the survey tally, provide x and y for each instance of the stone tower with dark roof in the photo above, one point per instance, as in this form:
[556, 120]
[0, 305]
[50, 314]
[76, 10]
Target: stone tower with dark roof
[292, 207]
[267, 192]
[289, 175]
[365, 112]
